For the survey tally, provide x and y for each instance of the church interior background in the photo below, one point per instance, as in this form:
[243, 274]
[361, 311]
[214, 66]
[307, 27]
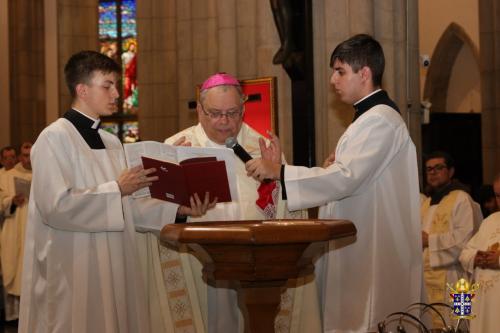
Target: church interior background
[442, 66]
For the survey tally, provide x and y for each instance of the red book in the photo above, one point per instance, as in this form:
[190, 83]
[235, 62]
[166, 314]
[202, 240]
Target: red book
[178, 182]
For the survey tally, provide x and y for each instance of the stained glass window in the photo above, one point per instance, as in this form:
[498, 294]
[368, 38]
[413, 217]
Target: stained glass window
[118, 40]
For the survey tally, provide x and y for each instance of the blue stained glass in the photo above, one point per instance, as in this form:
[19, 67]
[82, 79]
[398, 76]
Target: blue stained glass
[128, 19]
[107, 20]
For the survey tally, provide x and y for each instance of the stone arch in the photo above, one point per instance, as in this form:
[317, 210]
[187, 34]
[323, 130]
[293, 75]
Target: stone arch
[442, 61]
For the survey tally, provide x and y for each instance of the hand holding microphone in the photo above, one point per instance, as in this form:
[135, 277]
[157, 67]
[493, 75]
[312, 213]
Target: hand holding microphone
[233, 144]
[262, 169]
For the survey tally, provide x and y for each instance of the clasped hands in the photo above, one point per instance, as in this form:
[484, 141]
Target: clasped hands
[269, 165]
[488, 259]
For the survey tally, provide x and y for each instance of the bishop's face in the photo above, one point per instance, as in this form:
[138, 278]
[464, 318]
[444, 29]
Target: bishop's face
[100, 94]
[221, 113]
[348, 84]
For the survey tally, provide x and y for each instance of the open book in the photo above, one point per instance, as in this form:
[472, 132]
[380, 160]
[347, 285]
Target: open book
[178, 182]
[176, 155]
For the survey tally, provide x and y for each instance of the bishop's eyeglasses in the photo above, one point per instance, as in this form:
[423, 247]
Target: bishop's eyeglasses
[230, 114]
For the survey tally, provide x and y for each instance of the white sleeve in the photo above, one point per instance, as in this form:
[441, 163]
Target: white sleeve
[152, 214]
[64, 207]
[445, 248]
[469, 253]
[5, 203]
[360, 154]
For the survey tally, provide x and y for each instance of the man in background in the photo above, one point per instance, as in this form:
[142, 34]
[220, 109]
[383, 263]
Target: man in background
[448, 219]
[14, 193]
[481, 259]
[8, 158]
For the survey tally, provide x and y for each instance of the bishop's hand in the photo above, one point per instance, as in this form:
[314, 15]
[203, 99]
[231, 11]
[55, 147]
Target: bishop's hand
[197, 207]
[182, 141]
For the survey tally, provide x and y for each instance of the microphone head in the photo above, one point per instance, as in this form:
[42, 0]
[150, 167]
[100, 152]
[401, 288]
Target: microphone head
[231, 142]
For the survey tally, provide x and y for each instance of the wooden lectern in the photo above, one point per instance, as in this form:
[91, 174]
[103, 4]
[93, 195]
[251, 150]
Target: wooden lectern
[260, 255]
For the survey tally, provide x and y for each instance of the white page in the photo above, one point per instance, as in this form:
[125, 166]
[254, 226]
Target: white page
[22, 186]
[153, 149]
[176, 154]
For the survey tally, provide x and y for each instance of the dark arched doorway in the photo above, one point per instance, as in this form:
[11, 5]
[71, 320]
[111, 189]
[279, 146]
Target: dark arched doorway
[459, 133]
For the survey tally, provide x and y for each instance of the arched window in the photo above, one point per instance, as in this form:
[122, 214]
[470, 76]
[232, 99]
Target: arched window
[118, 40]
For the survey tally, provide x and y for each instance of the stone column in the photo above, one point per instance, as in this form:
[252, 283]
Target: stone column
[157, 68]
[27, 74]
[4, 73]
[77, 30]
[489, 39]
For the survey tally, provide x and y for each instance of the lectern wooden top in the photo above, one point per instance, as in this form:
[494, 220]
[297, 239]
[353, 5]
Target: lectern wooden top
[258, 232]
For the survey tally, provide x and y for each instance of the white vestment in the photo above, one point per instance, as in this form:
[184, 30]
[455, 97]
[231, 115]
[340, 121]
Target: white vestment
[2, 173]
[449, 226]
[486, 303]
[12, 238]
[219, 311]
[13, 231]
[81, 271]
[373, 183]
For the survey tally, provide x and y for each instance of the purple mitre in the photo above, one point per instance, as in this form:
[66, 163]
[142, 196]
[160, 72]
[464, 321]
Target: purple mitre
[219, 79]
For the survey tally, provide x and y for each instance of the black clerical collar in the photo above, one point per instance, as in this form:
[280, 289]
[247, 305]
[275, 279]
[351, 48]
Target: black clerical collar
[87, 128]
[376, 98]
[439, 194]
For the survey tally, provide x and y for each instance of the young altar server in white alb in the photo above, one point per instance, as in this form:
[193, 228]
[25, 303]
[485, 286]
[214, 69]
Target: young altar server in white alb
[372, 180]
[81, 272]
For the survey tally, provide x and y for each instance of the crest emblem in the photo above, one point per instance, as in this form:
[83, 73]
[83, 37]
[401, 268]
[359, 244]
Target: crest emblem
[461, 299]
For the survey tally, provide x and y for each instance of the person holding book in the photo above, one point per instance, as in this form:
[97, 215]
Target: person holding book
[81, 268]
[15, 210]
[220, 110]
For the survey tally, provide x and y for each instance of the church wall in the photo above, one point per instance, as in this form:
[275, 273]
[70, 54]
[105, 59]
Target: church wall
[77, 31]
[489, 18]
[464, 95]
[182, 42]
[478, 19]
[26, 70]
[4, 73]
[434, 19]
[201, 37]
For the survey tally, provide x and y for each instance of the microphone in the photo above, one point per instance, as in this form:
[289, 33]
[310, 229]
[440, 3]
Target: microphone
[238, 150]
